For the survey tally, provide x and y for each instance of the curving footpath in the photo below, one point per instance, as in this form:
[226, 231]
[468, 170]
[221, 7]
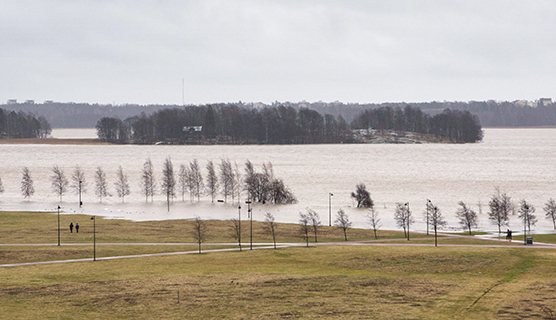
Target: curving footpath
[258, 246]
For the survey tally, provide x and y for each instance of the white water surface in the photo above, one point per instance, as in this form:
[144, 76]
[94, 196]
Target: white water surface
[522, 162]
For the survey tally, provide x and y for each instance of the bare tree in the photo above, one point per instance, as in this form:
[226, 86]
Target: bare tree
[314, 220]
[78, 182]
[305, 224]
[121, 184]
[235, 231]
[1, 186]
[342, 221]
[270, 226]
[362, 196]
[59, 181]
[226, 178]
[183, 181]
[400, 216]
[27, 186]
[199, 231]
[148, 183]
[500, 207]
[436, 221]
[212, 180]
[550, 211]
[374, 220]
[168, 181]
[526, 214]
[467, 217]
[236, 185]
[101, 185]
[196, 179]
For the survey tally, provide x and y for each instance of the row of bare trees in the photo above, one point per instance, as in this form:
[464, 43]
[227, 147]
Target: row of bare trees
[226, 180]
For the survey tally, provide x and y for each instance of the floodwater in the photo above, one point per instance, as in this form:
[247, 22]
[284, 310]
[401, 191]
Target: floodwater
[521, 162]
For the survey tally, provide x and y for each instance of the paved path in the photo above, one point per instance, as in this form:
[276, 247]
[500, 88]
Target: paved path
[265, 245]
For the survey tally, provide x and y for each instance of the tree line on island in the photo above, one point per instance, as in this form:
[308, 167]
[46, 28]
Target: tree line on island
[233, 124]
[23, 125]
[225, 179]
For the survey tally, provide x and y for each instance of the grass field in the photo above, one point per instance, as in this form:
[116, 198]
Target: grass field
[335, 282]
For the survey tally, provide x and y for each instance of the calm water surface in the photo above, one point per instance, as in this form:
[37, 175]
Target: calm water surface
[522, 162]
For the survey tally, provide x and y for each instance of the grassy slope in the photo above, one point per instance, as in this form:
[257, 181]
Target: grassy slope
[315, 282]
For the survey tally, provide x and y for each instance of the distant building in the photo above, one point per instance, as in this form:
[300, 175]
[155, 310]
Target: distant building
[12, 101]
[29, 101]
[545, 101]
[48, 102]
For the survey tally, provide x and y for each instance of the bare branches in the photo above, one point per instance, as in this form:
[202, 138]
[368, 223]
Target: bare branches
[550, 211]
[199, 231]
[148, 183]
[121, 184]
[58, 181]
[212, 180]
[168, 181]
[467, 217]
[27, 187]
[270, 226]
[101, 185]
[342, 221]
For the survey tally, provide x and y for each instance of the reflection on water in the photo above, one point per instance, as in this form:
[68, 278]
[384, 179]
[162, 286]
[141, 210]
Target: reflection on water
[520, 161]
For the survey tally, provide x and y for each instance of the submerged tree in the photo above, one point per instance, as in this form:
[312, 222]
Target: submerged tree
[27, 186]
[59, 181]
[226, 178]
[196, 179]
[101, 185]
[362, 196]
[148, 183]
[78, 182]
[183, 181]
[1, 186]
[467, 217]
[212, 180]
[168, 181]
[374, 220]
[342, 221]
[121, 184]
[550, 211]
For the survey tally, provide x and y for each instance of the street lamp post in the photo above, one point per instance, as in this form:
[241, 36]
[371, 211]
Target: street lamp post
[429, 203]
[94, 238]
[80, 203]
[407, 205]
[250, 215]
[239, 227]
[330, 194]
[525, 224]
[58, 225]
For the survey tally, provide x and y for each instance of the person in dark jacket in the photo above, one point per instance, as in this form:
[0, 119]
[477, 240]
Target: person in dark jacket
[509, 235]
[71, 227]
[76, 227]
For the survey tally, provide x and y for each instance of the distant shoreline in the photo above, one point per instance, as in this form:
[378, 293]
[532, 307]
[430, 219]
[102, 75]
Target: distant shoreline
[53, 141]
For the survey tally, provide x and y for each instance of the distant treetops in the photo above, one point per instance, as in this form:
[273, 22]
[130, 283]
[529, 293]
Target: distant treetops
[233, 124]
[22, 125]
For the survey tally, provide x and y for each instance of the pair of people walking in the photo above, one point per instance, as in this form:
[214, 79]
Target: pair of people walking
[76, 227]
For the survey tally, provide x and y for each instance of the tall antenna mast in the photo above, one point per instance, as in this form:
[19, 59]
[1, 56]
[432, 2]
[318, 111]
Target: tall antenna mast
[182, 92]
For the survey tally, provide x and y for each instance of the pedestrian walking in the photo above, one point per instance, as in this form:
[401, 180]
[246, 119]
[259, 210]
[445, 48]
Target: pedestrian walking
[71, 227]
[76, 227]
[509, 235]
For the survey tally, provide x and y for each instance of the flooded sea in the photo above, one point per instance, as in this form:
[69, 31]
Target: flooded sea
[521, 162]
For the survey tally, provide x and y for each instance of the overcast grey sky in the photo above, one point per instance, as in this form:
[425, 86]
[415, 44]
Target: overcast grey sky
[254, 50]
